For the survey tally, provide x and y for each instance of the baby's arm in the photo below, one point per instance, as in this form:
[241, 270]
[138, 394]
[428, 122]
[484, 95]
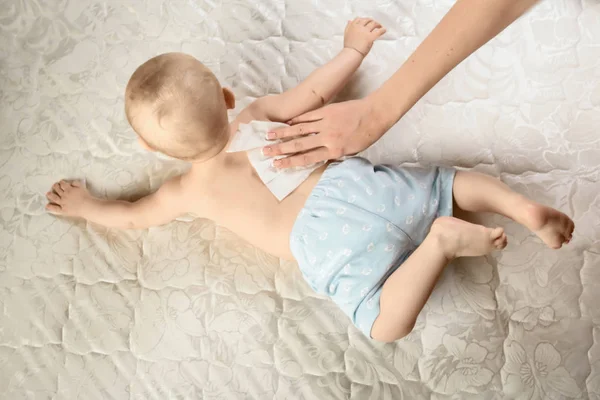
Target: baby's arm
[72, 199]
[325, 82]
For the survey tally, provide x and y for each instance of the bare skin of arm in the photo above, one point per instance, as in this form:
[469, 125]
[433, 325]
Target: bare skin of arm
[73, 200]
[326, 81]
[352, 126]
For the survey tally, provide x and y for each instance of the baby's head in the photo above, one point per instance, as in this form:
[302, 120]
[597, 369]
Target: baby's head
[177, 106]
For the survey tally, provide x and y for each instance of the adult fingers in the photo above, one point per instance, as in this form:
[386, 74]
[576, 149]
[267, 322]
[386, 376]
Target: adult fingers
[294, 146]
[54, 208]
[292, 131]
[53, 197]
[57, 188]
[302, 160]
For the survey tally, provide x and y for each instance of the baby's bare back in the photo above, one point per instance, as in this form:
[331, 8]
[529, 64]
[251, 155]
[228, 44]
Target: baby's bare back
[235, 198]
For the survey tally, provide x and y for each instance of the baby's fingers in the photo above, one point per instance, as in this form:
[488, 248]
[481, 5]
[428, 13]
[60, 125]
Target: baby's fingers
[53, 197]
[54, 208]
[374, 25]
[378, 32]
[57, 188]
[64, 185]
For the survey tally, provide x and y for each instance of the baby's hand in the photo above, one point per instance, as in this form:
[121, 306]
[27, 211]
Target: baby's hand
[361, 33]
[68, 199]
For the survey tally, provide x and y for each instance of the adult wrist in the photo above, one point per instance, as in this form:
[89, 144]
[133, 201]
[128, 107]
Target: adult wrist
[380, 116]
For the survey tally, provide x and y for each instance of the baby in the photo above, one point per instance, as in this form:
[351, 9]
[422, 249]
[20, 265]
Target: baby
[373, 238]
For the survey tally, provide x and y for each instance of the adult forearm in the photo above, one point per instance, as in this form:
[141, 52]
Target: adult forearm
[467, 26]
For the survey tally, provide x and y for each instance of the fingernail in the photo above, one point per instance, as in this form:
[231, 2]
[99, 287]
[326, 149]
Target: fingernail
[266, 150]
[276, 163]
[270, 135]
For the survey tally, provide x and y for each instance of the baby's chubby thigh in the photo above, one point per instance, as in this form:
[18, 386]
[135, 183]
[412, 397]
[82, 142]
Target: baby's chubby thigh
[360, 223]
[357, 287]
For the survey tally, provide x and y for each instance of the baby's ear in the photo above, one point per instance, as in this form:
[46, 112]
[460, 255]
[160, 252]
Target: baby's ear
[229, 98]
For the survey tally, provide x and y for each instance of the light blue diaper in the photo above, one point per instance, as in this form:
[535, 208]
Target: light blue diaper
[360, 223]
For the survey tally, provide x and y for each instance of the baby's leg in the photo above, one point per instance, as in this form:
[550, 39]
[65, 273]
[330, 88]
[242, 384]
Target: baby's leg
[405, 292]
[481, 193]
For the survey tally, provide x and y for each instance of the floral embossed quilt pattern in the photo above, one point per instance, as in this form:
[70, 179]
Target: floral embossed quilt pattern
[188, 311]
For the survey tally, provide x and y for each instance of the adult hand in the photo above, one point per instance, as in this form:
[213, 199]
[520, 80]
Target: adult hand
[347, 128]
[328, 133]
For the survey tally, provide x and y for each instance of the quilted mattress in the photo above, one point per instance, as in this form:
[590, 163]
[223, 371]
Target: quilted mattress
[189, 311]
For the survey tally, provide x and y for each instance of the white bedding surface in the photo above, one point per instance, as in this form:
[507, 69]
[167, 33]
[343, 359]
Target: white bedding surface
[189, 311]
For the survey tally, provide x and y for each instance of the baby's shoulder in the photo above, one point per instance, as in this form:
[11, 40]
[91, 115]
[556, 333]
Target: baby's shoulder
[255, 111]
[193, 191]
[191, 185]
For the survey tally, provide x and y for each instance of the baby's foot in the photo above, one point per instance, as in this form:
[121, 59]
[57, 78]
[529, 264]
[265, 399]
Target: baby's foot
[552, 226]
[462, 239]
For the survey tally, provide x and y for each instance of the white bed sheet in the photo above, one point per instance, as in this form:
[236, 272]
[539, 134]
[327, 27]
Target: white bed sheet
[189, 311]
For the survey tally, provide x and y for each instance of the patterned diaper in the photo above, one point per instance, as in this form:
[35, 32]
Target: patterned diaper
[360, 223]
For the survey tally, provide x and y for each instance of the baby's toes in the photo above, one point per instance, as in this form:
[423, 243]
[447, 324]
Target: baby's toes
[567, 230]
[571, 228]
[497, 233]
[501, 242]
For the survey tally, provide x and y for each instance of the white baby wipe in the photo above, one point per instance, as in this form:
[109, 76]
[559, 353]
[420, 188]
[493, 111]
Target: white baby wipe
[251, 138]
